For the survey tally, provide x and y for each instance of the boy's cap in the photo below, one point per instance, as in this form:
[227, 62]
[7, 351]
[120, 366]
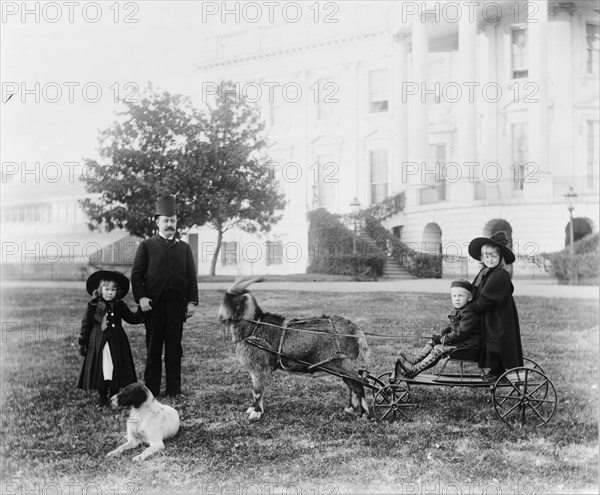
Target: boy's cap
[94, 280]
[461, 282]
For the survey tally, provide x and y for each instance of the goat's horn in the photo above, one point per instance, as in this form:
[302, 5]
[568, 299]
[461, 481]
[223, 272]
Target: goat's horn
[241, 284]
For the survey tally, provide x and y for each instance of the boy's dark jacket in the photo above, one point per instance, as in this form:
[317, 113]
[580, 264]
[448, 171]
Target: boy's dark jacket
[464, 329]
[92, 336]
[158, 263]
[500, 331]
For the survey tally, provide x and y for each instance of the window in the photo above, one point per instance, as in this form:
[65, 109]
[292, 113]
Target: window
[378, 91]
[520, 53]
[519, 153]
[274, 253]
[229, 253]
[438, 77]
[592, 32]
[278, 112]
[434, 175]
[378, 165]
[327, 99]
[593, 164]
[325, 170]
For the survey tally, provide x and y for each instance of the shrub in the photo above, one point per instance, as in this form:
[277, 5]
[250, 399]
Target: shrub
[584, 264]
[589, 244]
[388, 207]
[331, 245]
[417, 264]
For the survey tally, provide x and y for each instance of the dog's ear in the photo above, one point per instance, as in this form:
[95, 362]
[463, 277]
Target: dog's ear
[133, 395]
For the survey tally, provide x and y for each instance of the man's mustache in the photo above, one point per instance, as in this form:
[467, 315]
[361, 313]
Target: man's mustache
[170, 228]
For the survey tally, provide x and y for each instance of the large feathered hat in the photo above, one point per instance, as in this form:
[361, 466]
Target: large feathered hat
[499, 240]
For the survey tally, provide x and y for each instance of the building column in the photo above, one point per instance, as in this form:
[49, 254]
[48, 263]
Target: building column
[489, 152]
[400, 114]
[537, 177]
[418, 135]
[462, 190]
[562, 89]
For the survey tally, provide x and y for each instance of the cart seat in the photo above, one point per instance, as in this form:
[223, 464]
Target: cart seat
[461, 356]
[465, 355]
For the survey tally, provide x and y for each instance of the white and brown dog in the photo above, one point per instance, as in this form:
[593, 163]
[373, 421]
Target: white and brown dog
[149, 421]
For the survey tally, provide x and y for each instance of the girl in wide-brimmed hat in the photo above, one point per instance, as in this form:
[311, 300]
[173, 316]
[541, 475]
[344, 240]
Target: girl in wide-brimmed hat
[493, 301]
[108, 364]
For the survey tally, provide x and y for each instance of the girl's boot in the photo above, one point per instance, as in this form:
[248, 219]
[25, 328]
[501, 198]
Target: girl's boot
[102, 394]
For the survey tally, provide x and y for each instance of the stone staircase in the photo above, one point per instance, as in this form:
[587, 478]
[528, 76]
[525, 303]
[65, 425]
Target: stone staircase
[391, 270]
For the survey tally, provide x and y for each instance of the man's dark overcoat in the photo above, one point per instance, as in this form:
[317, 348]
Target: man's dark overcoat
[165, 272]
[500, 331]
[92, 336]
[158, 263]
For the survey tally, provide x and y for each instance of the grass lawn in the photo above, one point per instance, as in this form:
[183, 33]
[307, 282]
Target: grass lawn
[54, 440]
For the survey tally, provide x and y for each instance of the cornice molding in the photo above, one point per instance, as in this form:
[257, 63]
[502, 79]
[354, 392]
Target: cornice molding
[292, 49]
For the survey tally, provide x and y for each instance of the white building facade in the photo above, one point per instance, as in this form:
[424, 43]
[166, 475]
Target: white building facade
[484, 114]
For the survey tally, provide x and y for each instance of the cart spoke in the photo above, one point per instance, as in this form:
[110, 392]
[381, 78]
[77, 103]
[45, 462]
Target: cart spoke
[532, 393]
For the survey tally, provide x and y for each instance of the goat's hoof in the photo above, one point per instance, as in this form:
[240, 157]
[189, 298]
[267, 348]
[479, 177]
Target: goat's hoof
[250, 410]
[349, 410]
[138, 458]
[254, 416]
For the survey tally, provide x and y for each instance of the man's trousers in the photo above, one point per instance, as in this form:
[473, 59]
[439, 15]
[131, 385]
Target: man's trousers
[164, 326]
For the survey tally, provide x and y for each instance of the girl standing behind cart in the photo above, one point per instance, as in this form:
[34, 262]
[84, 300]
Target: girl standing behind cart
[493, 301]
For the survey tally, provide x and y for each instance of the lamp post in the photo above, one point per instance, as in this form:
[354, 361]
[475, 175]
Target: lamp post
[355, 208]
[571, 198]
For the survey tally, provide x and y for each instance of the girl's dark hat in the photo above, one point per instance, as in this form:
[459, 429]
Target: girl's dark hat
[499, 239]
[94, 280]
[166, 206]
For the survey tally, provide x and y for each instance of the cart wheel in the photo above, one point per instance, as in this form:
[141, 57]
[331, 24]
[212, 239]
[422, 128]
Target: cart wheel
[524, 396]
[385, 377]
[376, 383]
[530, 363]
[394, 402]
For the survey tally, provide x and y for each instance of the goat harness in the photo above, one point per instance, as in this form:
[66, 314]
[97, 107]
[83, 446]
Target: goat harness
[262, 343]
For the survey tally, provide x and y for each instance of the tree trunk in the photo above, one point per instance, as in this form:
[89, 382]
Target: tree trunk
[213, 263]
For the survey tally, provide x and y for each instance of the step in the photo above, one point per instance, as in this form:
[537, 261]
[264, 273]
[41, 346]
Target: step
[393, 270]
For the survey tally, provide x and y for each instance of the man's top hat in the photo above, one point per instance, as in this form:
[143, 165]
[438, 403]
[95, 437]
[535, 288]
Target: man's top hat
[166, 206]
[499, 239]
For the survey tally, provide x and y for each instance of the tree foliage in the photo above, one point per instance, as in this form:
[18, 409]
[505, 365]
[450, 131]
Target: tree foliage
[212, 160]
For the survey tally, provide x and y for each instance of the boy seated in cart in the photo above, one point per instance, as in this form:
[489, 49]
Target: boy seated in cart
[462, 333]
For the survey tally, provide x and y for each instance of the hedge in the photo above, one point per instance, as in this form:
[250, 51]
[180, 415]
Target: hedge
[417, 264]
[584, 264]
[331, 245]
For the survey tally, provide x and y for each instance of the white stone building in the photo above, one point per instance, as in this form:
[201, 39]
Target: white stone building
[483, 113]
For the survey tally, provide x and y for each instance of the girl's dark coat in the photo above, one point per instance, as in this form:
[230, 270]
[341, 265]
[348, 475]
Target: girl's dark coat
[90, 376]
[501, 334]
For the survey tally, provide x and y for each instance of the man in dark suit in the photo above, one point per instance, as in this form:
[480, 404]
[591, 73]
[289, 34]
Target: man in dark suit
[163, 279]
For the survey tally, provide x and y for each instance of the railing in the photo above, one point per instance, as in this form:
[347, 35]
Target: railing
[580, 184]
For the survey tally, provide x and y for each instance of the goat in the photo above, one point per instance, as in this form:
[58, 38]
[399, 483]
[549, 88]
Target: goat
[267, 342]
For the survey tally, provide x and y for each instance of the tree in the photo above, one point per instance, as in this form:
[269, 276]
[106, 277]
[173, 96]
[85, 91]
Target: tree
[211, 160]
[149, 150]
[242, 192]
